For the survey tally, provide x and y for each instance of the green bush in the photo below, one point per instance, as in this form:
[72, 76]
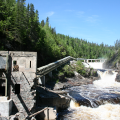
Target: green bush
[79, 63]
[60, 73]
[68, 71]
[82, 72]
[80, 68]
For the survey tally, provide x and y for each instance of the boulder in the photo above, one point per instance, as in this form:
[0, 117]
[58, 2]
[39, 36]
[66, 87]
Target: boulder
[51, 99]
[118, 77]
[58, 86]
[61, 77]
[78, 75]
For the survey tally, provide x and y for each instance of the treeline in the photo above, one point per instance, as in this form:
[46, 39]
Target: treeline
[20, 30]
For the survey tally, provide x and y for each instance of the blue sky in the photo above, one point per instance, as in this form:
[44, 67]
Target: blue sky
[96, 21]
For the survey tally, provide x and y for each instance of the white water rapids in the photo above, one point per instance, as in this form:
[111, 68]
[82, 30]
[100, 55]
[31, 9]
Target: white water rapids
[99, 95]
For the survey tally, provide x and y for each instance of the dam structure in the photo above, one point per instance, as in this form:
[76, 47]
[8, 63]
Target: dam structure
[93, 63]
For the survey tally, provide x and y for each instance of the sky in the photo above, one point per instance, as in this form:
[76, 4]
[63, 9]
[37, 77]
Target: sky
[96, 21]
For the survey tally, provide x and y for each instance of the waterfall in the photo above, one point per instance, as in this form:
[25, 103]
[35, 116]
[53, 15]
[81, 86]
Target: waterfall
[97, 101]
[107, 79]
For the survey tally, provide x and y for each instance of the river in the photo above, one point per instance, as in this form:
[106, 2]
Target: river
[97, 101]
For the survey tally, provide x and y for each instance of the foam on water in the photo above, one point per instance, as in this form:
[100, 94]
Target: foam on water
[107, 80]
[74, 104]
[103, 112]
[95, 65]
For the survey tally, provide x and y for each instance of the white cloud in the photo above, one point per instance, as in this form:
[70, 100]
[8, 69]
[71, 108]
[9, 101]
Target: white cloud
[80, 13]
[50, 13]
[92, 18]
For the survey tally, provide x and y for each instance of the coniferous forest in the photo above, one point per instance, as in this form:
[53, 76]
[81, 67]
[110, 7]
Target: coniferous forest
[21, 30]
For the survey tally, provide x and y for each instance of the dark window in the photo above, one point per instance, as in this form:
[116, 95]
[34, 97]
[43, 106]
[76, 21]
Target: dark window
[14, 62]
[2, 90]
[17, 88]
[15, 66]
[30, 64]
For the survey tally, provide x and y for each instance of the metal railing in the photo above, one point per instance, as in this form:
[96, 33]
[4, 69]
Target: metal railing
[91, 60]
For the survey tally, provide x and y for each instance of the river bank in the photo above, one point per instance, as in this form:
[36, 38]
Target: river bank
[74, 74]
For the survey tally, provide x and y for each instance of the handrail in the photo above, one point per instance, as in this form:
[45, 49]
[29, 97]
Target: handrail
[41, 71]
[34, 114]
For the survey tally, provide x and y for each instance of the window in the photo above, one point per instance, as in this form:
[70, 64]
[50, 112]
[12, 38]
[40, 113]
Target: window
[15, 66]
[14, 62]
[2, 90]
[17, 88]
[30, 64]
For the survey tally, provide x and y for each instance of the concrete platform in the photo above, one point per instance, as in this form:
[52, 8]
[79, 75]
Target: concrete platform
[5, 106]
[3, 98]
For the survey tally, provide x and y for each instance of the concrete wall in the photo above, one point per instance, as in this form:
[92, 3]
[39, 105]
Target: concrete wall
[3, 53]
[25, 76]
[5, 108]
[27, 61]
[25, 100]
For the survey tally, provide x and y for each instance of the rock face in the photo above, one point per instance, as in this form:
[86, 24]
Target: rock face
[113, 62]
[59, 86]
[75, 81]
[118, 77]
[78, 75]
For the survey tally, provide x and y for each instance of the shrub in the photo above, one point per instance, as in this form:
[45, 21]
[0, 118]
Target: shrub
[60, 73]
[79, 63]
[68, 71]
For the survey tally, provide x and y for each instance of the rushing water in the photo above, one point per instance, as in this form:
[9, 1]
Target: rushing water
[97, 101]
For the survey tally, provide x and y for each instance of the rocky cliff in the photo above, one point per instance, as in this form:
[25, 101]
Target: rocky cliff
[113, 62]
